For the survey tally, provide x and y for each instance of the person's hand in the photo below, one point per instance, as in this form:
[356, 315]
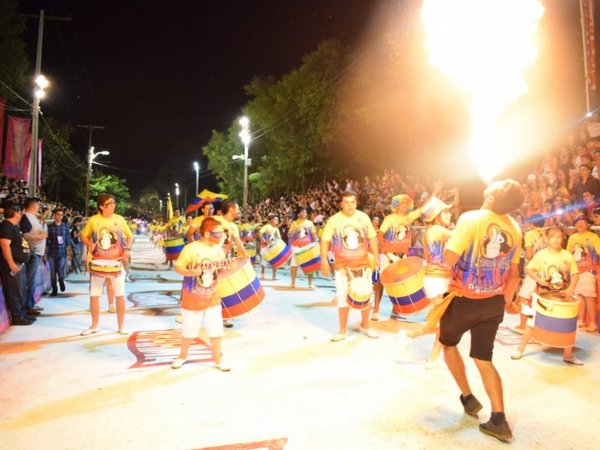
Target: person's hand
[512, 308]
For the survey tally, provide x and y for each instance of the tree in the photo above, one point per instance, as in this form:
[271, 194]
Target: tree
[219, 151]
[15, 65]
[148, 203]
[109, 184]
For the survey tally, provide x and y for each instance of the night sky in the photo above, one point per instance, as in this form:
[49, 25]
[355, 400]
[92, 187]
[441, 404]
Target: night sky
[161, 75]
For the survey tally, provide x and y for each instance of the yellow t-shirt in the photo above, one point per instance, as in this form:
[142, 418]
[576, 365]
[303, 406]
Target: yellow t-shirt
[349, 237]
[555, 267]
[487, 244]
[269, 233]
[394, 232]
[535, 238]
[585, 247]
[198, 293]
[231, 232]
[109, 236]
[302, 232]
[175, 224]
[436, 237]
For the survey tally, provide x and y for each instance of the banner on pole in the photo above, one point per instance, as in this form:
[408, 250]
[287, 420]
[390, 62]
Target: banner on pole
[18, 148]
[590, 42]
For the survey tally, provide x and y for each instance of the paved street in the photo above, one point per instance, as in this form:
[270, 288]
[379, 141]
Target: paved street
[289, 388]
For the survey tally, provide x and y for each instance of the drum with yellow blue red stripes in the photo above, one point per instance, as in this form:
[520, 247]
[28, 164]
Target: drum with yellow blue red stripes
[403, 283]
[555, 321]
[173, 247]
[239, 289]
[309, 258]
[278, 253]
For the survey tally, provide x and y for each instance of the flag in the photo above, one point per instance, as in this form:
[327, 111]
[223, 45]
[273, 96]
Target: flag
[39, 165]
[589, 42]
[18, 148]
[169, 208]
[203, 197]
[2, 105]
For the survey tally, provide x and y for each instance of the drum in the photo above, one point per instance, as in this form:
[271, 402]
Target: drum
[309, 258]
[251, 252]
[555, 322]
[173, 247]
[278, 254]
[239, 289]
[403, 283]
[105, 267]
[359, 293]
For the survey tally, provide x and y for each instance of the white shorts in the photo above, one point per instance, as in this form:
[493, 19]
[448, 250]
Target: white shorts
[263, 261]
[192, 322]
[341, 287]
[586, 285]
[293, 262]
[97, 282]
[435, 286]
[528, 287]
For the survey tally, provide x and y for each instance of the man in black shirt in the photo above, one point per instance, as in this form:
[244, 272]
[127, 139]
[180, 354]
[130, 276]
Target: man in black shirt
[14, 253]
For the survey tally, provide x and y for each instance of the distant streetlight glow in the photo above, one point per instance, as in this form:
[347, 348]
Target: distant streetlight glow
[91, 157]
[177, 194]
[245, 137]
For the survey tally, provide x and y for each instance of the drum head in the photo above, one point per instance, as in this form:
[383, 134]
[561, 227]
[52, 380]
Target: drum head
[236, 265]
[401, 270]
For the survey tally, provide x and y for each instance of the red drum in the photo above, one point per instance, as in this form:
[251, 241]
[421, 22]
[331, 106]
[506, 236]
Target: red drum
[403, 282]
[309, 258]
[173, 247]
[239, 288]
[278, 254]
[105, 267]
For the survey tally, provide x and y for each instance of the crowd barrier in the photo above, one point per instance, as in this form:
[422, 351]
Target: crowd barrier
[42, 284]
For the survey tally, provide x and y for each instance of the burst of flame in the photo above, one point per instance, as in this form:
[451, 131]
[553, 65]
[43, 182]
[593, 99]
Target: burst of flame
[485, 45]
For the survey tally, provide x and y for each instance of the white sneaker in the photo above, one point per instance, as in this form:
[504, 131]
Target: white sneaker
[89, 331]
[396, 316]
[177, 363]
[404, 341]
[222, 367]
[112, 309]
[179, 318]
[516, 355]
[375, 317]
[338, 337]
[124, 331]
[369, 332]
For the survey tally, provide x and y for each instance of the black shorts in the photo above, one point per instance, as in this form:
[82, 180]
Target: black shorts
[480, 317]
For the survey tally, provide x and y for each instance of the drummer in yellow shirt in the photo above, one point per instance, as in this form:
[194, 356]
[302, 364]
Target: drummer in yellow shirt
[302, 232]
[193, 232]
[231, 212]
[351, 236]
[553, 269]
[585, 247]
[394, 238]
[199, 263]
[267, 234]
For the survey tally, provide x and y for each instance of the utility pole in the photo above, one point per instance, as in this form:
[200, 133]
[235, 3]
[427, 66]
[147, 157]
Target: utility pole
[90, 128]
[33, 166]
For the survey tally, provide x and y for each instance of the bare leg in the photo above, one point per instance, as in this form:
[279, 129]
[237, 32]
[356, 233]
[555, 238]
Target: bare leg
[492, 382]
[310, 280]
[365, 318]
[120, 311]
[185, 346]
[378, 288]
[343, 317]
[110, 293]
[95, 309]
[437, 348]
[456, 366]
[591, 311]
[293, 273]
[525, 339]
[215, 347]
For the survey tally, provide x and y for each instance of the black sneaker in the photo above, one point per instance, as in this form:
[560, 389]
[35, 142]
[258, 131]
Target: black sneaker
[62, 285]
[33, 312]
[32, 318]
[53, 293]
[472, 405]
[501, 432]
[21, 321]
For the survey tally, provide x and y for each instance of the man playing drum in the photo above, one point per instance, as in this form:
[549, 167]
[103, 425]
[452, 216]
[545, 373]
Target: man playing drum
[199, 263]
[394, 237]
[108, 240]
[351, 235]
[555, 270]
[483, 252]
[585, 247]
[268, 234]
[302, 232]
[231, 212]
[193, 231]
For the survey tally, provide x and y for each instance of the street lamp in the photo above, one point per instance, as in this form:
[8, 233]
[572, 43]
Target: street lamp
[245, 137]
[91, 157]
[41, 83]
[177, 194]
[197, 169]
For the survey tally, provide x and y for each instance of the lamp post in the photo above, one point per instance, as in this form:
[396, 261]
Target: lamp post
[41, 83]
[245, 137]
[177, 194]
[197, 169]
[91, 157]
